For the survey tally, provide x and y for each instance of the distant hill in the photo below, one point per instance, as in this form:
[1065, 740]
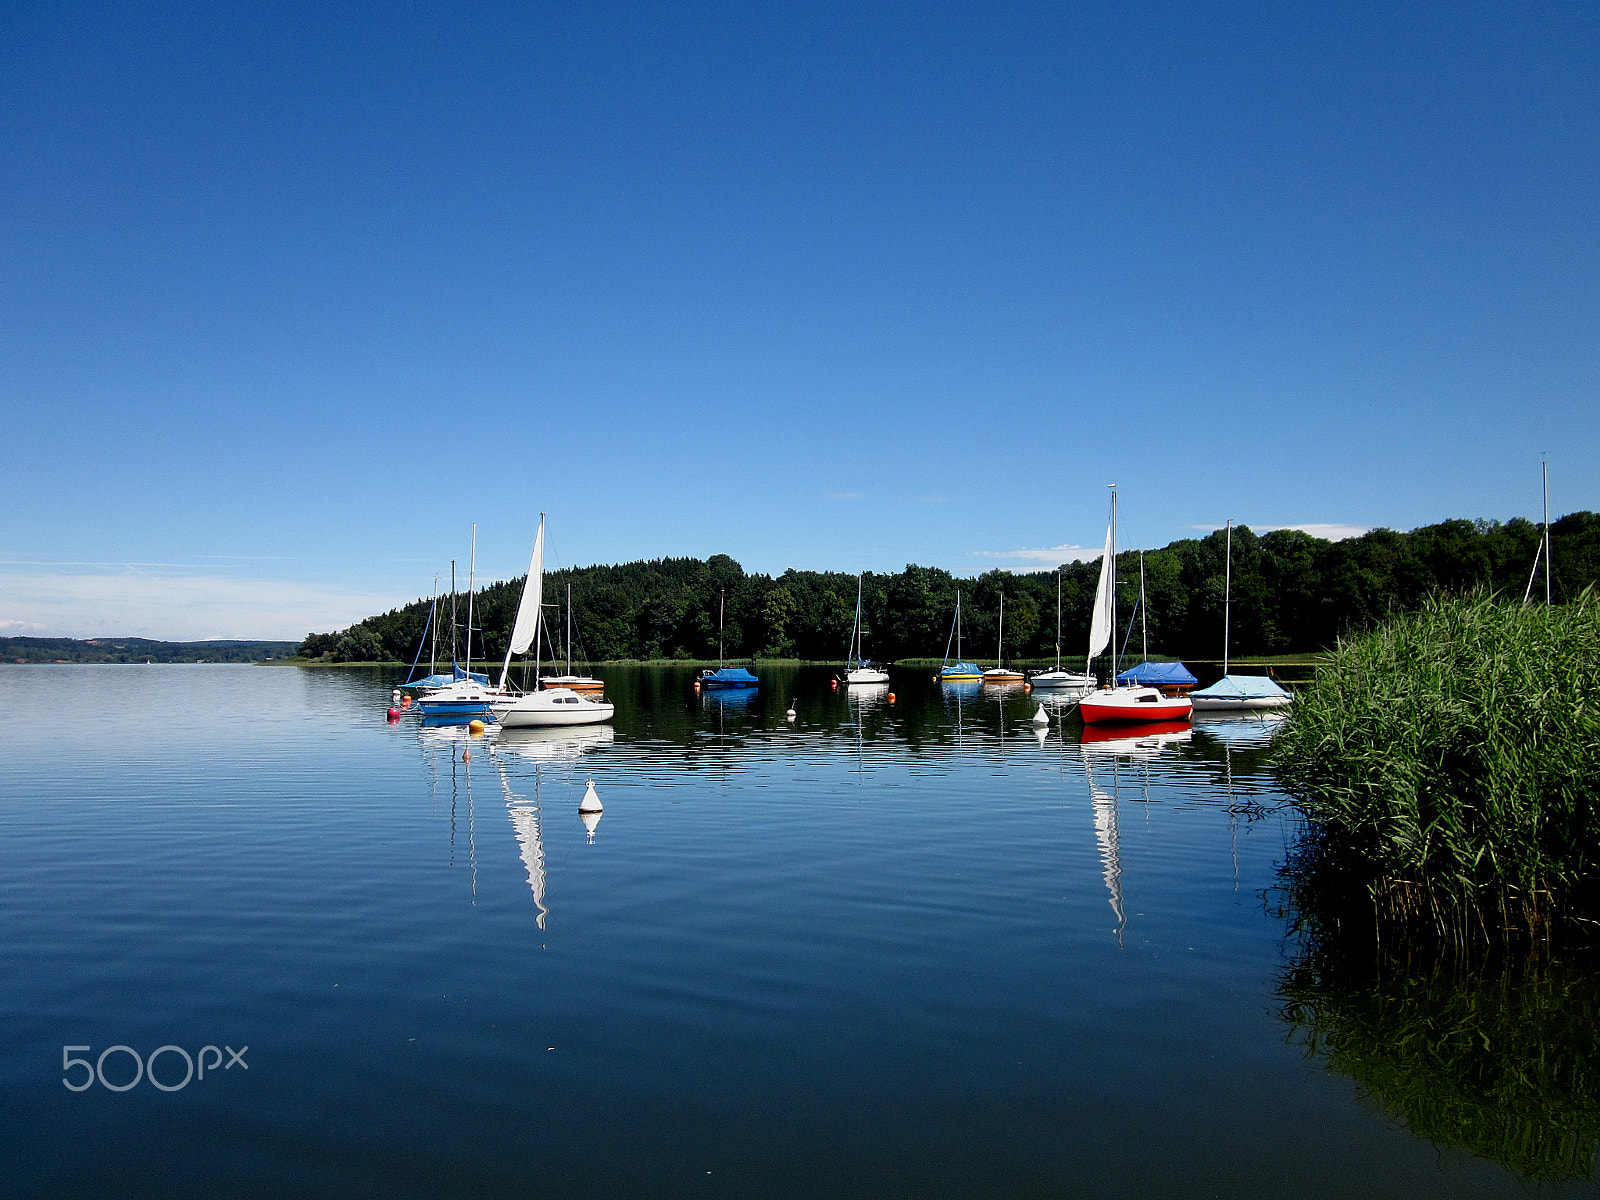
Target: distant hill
[1292, 593]
[136, 650]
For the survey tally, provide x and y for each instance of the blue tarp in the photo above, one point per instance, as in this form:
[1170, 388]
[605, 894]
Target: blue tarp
[729, 677]
[456, 676]
[1157, 675]
[1241, 687]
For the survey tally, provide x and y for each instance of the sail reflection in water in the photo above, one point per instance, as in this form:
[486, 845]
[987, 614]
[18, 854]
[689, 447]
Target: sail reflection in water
[550, 746]
[1111, 746]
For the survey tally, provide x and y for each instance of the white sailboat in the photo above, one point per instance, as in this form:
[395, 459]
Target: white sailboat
[1121, 703]
[1059, 678]
[859, 670]
[1237, 693]
[553, 706]
[469, 696]
[998, 673]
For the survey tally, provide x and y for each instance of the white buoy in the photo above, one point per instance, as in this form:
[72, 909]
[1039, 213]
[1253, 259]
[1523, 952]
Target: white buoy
[790, 713]
[591, 800]
[590, 820]
[1041, 717]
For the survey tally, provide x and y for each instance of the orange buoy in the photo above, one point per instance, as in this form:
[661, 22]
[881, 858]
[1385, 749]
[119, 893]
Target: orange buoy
[891, 697]
[405, 703]
[697, 685]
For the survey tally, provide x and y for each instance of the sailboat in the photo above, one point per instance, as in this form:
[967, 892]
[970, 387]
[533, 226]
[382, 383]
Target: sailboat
[1125, 702]
[552, 706]
[468, 694]
[1234, 693]
[1172, 678]
[578, 683]
[1059, 678]
[959, 671]
[998, 672]
[725, 677]
[859, 670]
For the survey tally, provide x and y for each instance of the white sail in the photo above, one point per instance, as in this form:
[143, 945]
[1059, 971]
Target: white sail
[1101, 620]
[528, 612]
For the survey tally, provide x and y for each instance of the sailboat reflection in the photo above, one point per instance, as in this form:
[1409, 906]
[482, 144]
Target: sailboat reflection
[1241, 728]
[1108, 835]
[728, 699]
[1099, 742]
[548, 745]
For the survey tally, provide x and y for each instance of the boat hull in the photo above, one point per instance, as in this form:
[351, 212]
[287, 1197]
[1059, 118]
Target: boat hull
[998, 676]
[1138, 705]
[576, 683]
[1063, 679]
[866, 675]
[1239, 704]
[555, 707]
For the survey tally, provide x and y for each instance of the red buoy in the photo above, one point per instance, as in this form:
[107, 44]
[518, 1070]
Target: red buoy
[394, 714]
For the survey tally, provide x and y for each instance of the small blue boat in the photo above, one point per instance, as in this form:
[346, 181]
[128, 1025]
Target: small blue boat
[728, 677]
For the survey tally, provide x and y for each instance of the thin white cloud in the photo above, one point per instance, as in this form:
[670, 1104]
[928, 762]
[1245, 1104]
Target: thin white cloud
[1046, 558]
[175, 607]
[1332, 532]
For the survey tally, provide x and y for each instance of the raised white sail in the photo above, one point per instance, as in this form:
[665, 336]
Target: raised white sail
[1103, 618]
[526, 627]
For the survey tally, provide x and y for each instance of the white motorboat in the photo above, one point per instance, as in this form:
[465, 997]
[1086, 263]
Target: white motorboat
[551, 707]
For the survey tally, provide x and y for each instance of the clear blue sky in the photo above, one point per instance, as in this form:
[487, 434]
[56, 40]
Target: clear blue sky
[294, 293]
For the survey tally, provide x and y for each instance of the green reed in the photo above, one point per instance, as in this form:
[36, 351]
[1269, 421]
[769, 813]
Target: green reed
[1486, 1053]
[1452, 758]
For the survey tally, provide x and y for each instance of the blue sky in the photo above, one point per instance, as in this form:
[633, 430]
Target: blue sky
[293, 294]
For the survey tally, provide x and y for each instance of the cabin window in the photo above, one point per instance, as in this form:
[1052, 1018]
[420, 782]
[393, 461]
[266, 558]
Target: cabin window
[1147, 699]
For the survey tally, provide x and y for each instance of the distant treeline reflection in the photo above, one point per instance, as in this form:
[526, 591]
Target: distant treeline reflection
[1292, 592]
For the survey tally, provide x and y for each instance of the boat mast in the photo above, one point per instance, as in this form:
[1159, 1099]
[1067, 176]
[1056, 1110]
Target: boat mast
[472, 570]
[958, 625]
[433, 646]
[1546, 466]
[1116, 650]
[1227, 601]
[1000, 638]
[722, 611]
[1058, 619]
[569, 629]
[1144, 612]
[455, 627]
[855, 629]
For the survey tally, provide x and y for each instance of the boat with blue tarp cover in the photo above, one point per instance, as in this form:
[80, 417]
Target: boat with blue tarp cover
[1241, 692]
[1173, 678]
[728, 677]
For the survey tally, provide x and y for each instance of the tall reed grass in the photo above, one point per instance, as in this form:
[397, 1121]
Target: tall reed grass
[1452, 757]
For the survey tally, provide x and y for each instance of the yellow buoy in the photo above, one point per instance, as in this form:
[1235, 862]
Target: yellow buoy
[475, 728]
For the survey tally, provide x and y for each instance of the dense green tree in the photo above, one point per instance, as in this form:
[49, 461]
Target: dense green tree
[1291, 593]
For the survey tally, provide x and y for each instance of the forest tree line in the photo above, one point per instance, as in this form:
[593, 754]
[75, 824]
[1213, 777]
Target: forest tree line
[1292, 593]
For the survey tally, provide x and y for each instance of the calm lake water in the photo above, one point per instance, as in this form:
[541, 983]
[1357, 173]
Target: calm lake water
[881, 951]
